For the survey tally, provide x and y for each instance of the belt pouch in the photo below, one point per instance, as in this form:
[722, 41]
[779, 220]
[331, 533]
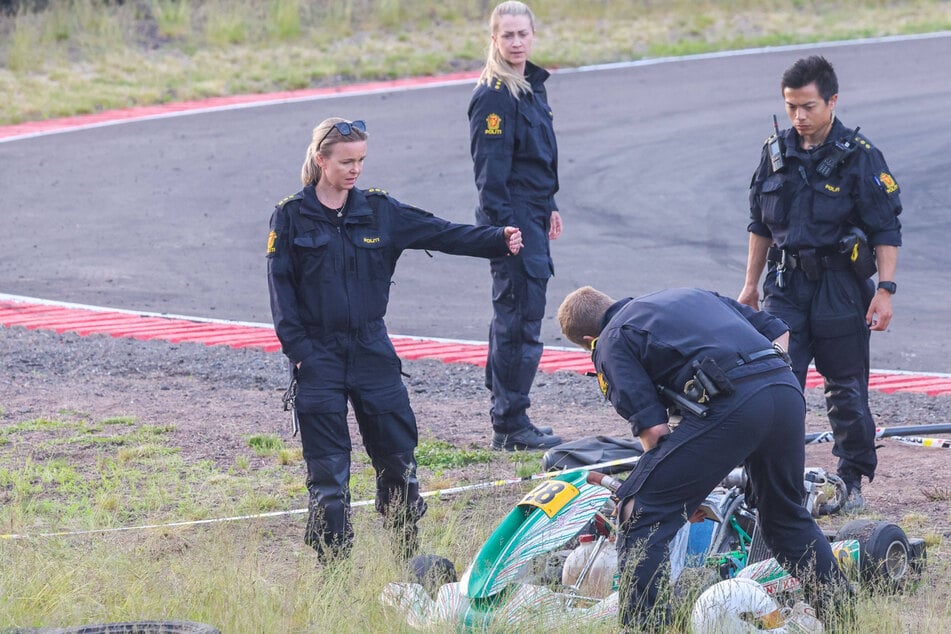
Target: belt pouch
[809, 263]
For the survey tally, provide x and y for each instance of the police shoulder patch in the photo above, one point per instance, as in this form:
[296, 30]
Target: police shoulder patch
[493, 125]
[887, 182]
[376, 191]
[272, 242]
[603, 383]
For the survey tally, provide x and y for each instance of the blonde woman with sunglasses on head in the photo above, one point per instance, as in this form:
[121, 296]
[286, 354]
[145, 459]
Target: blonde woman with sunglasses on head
[331, 253]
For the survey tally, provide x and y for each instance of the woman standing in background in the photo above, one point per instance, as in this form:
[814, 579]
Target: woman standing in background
[515, 159]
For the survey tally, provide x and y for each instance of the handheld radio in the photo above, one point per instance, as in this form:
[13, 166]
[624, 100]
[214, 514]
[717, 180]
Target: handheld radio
[840, 153]
[775, 145]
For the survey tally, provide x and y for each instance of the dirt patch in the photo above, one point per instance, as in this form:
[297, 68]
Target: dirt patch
[215, 397]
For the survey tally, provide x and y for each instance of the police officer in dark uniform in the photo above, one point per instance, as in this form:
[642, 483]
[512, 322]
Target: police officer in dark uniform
[822, 201]
[331, 254]
[720, 354]
[515, 160]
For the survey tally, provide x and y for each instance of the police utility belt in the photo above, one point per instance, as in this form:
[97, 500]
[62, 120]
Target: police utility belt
[708, 379]
[810, 261]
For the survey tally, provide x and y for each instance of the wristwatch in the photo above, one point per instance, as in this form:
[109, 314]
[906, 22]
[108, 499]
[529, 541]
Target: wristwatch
[891, 287]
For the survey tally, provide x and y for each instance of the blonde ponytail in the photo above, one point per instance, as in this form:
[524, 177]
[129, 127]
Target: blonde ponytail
[496, 68]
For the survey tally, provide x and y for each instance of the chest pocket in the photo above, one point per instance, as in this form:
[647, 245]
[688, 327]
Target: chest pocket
[370, 253]
[774, 200]
[832, 202]
[315, 256]
[534, 141]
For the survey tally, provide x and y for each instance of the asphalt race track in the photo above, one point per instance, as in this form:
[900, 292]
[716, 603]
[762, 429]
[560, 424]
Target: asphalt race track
[169, 214]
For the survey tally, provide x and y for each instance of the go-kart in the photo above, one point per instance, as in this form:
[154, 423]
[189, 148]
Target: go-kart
[551, 561]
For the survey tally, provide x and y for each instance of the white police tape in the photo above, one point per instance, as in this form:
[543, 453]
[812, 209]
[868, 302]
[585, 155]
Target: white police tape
[885, 432]
[447, 491]
[939, 443]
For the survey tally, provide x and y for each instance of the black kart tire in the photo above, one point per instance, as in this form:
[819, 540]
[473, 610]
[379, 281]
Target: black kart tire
[137, 627]
[432, 572]
[884, 553]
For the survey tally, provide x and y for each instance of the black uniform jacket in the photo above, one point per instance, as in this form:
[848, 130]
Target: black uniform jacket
[514, 154]
[651, 341]
[328, 280]
[800, 209]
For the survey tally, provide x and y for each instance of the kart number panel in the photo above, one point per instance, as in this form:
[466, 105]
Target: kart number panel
[550, 497]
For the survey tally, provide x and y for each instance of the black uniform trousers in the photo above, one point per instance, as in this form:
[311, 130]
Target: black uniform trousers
[515, 346]
[361, 367]
[826, 319]
[762, 425]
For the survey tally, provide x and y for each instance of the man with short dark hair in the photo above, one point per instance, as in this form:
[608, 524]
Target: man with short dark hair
[727, 359]
[822, 201]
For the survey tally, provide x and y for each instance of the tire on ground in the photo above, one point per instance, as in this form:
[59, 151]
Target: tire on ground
[884, 553]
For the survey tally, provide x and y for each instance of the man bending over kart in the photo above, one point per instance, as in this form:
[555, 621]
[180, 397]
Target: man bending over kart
[740, 403]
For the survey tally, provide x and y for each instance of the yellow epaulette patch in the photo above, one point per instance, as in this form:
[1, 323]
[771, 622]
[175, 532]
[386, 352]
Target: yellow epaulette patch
[863, 142]
[284, 200]
[377, 191]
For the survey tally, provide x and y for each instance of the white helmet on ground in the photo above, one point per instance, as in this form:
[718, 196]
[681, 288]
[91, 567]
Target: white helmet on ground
[735, 606]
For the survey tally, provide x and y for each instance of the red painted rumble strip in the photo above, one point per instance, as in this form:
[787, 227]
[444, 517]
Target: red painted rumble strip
[33, 128]
[89, 321]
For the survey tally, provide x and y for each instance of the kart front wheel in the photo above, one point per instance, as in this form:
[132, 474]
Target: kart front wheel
[431, 572]
[885, 558]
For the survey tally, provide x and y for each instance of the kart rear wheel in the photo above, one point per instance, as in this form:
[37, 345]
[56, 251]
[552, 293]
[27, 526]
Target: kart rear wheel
[431, 572]
[884, 552]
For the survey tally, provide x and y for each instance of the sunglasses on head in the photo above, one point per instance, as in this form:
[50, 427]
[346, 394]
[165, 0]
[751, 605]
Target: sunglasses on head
[345, 128]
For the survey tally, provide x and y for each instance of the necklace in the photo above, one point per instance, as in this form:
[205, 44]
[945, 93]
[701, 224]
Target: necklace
[337, 210]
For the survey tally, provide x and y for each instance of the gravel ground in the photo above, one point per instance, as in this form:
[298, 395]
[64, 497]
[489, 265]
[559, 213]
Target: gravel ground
[216, 396]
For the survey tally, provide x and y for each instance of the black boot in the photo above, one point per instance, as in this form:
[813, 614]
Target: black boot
[329, 530]
[399, 502]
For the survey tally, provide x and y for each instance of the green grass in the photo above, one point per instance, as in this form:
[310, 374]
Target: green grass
[255, 575]
[438, 455]
[265, 444]
[156, 51]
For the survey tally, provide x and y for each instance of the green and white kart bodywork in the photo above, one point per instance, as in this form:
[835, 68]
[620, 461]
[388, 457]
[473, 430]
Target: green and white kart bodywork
[504, 584]
[493, 588]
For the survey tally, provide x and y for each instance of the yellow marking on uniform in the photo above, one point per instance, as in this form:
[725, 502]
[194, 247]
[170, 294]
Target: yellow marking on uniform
[271, 239]
[888, 182]
[493, 125]
[603, 383]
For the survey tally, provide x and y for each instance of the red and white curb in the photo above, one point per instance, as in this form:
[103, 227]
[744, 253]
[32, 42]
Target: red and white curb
[62, 317]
